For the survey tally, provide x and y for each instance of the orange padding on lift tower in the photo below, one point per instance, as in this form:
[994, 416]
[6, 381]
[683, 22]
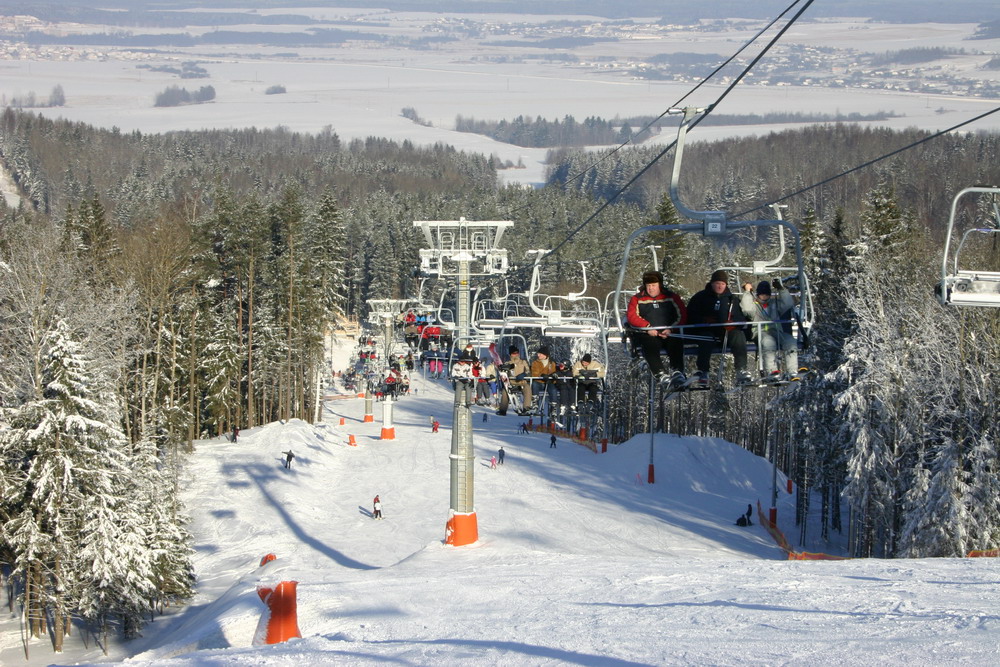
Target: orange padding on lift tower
[388, 433]
[461, 529]
[279, 622]
[779, 538]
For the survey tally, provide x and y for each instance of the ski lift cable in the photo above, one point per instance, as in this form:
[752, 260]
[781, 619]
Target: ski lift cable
[632, 139]
[736, 81]
[869, 162]
[614, 197]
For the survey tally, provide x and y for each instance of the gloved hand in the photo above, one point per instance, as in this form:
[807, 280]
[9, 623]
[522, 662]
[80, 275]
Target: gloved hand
[776, 284]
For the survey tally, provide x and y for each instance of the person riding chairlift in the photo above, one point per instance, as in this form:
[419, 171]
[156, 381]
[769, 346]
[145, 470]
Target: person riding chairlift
[654, 310]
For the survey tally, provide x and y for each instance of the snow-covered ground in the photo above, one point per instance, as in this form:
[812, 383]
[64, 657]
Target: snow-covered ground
[578, 562]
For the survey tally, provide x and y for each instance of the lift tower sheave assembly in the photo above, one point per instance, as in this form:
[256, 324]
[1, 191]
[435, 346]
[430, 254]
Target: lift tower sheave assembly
[453, 245]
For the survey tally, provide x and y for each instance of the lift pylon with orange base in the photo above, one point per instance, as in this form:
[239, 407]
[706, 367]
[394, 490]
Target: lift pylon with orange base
[388, 430]
[369, 408]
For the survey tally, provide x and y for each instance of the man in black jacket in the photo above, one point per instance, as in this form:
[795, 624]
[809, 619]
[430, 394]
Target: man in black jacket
[716, 305]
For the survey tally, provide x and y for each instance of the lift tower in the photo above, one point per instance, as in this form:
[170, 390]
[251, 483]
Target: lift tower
[453, 245]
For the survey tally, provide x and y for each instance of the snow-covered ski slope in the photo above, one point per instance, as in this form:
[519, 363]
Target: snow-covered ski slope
[579, 561]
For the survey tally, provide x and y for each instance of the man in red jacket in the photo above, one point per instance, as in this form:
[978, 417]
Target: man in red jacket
[654, 310]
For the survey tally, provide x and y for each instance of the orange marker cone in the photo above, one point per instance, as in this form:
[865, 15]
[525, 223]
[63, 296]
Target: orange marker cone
[279, 622]
[342, 421]
[351, 441]
[267, 559]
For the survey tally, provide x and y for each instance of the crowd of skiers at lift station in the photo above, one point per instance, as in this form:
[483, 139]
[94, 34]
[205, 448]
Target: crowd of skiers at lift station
[725, 318]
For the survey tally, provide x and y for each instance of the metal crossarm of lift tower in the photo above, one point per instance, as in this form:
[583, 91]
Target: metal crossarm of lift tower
[463, 241]
[381, 308]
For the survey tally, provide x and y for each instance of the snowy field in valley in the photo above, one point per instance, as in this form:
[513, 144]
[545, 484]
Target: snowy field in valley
[579, 561]
[360, 92]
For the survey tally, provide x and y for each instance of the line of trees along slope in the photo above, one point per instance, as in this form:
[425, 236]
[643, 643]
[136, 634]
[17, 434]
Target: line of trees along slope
[166, 287]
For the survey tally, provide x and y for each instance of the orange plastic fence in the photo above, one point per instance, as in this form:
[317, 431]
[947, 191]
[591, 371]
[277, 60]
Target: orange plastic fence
[782, 542]
[579, 438]
[989, 553]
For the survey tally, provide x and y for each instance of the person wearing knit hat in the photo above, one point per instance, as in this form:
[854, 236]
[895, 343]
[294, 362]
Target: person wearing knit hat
[653, 311]
[588, 374]
[775, 334]
[718, 309]
[517, 372]
[543, 374]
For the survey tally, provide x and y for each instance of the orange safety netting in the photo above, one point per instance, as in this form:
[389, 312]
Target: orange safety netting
[563, 433]
[989, 553]
[782, 542]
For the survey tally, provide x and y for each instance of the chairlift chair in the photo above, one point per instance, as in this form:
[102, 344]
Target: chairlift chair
[969, 287]
[714, 224]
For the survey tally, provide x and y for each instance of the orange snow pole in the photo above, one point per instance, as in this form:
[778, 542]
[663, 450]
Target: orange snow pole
[279, 622]
[461, 529]
[583, 433]
[604, 445]
[267, 559]
[651, 477]
[789, 486]
[351, 441]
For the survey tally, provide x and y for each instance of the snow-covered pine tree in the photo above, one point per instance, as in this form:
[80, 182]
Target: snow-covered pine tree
[72, 453]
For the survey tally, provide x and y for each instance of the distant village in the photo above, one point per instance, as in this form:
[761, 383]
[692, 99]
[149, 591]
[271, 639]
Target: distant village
[565, 42]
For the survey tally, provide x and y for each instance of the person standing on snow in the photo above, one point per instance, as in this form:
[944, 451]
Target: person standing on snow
[376, 508]
[236, 433]
[552, 441]
[288, 458]
[500, 455]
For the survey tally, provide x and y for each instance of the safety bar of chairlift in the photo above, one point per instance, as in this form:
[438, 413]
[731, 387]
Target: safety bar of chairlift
[695, 337]
[571, 331]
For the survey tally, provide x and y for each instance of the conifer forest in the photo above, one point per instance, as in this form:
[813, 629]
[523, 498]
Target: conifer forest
[156, 289]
